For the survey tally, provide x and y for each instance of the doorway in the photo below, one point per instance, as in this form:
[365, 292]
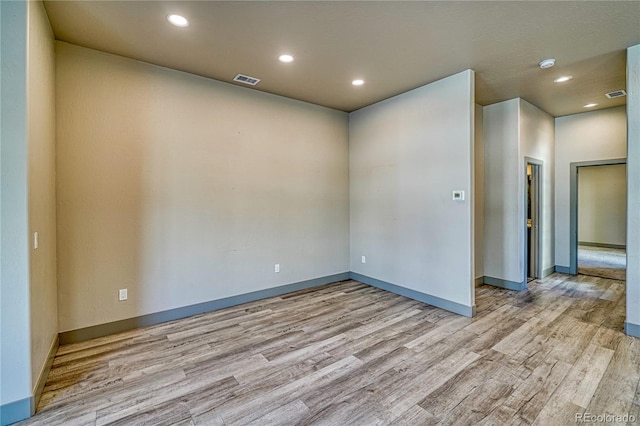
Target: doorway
[533, 195]
[604, 255]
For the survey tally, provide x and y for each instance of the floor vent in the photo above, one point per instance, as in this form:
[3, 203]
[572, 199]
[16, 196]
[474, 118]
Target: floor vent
[251, 81]
[615, 94]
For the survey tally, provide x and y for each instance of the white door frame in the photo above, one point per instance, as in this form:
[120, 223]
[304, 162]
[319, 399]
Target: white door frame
[540, 167]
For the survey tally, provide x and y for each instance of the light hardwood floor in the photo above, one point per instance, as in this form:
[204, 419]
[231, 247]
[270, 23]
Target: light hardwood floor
[349, 354]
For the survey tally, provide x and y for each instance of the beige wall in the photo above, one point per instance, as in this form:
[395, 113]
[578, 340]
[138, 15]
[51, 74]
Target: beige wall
[602, 204]
[590, 136]
[514, 130]
[28, 325]
[479, 192]
[501, 201]
[185, 190]
[407, 154]
[15, 353]
[537, 140]
[633, 191]
[42, 204]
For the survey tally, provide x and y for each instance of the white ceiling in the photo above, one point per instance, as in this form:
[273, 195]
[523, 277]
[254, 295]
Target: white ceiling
[394, 46]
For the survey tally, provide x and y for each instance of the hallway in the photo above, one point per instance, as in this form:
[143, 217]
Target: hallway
[602, 262]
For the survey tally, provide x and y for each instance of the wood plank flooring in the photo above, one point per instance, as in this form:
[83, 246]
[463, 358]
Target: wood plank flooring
[349, 354]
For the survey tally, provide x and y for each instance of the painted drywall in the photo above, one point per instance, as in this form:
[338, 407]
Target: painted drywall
[185, 190]
[479, 193]
[502, 204]
[15, 367]
[590, 136]
[42, 204]
[407, 154]
[537, 141]
[633, 190]
[28, 297]
[602, 204]
[515, 130]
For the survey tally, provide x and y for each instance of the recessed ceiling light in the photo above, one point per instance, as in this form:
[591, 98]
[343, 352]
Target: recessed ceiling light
[547, 63]
[563, 79]
[591, 105]
[178, 21]
[285, 58]
[357, 82]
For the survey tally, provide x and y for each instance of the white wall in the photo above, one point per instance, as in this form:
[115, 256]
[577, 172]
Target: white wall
[407, 154]
[602, 204]
[479, 193]
[537, 140]
[15, 366]
[502, 203]
[42, 204]
[28, 326]
[185, 190]
[590, 136]
[633, 191]
[514, 130]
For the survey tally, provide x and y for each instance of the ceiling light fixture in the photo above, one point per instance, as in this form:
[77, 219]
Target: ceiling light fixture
[357, 82]
[285, 58]
[178, 21]
[591, 105]
[563, 79]
[547, 63]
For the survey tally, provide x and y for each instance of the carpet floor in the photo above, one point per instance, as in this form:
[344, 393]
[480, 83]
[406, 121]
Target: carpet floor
[602, 262]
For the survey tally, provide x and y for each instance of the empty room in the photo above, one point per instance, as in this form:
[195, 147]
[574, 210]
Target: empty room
[319, 212]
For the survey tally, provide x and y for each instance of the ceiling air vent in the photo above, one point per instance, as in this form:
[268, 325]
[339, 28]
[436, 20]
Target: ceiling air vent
[615, 94]
[251, 81]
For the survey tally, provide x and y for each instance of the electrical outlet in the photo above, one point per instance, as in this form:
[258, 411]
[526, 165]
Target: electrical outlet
[35, 240]
[122, 294]
[277, 268]
[364, 259]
